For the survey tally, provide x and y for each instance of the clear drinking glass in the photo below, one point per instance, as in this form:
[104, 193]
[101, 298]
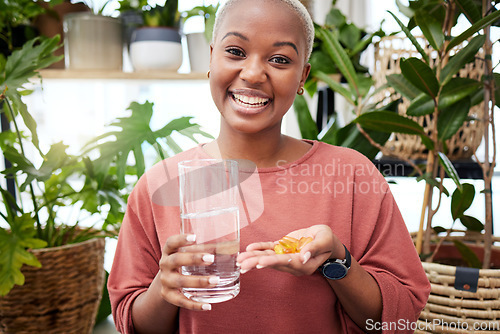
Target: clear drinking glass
[208, 190]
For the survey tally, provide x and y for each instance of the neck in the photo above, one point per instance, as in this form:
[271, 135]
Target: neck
[265, 150]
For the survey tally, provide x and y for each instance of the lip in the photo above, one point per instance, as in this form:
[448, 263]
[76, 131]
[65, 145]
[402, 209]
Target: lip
[252, 94]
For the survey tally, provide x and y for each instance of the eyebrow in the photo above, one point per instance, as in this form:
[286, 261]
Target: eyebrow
[277, 44]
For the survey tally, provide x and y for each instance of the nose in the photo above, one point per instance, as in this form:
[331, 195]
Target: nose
[253, 71]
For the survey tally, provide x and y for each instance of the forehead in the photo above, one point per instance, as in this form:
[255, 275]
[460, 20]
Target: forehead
[263, 18]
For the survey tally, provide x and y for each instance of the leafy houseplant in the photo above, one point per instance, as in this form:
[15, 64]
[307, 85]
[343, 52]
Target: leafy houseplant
[335, 61]
[31, 212]
[61, 202]
[208, 14]
[156, 45]
[199, 42]
[434, 89]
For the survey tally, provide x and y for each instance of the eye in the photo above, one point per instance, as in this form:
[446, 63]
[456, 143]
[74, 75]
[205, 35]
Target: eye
[235, 52]
[280, 60]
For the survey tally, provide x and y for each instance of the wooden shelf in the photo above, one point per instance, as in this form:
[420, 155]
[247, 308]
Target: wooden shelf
[119, 75]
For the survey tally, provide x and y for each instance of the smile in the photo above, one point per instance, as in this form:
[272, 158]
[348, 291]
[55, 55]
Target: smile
[249, 101]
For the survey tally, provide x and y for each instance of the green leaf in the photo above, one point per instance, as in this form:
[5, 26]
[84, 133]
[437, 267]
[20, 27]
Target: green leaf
[349, 136]
[449, 169]
[420, 75]
[135, 131]
[22, 64]
[484, 22]
[13, 251]
[457, 89]
[471, 223]
[348, 35]
[461, 200]
[458, 61]
[335, 18]
[307, 126]
[431, 29]
[402, 86]
[411, 38]
[422, 105]
[452, 118]
[467, 254]
[340, 57]
[496, 77]
[386, 121]
[470, 9]
[427, 177]
[335, 86]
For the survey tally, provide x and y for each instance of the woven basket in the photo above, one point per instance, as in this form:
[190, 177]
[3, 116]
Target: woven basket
[449, 310]
[62, 296]
[388, 52]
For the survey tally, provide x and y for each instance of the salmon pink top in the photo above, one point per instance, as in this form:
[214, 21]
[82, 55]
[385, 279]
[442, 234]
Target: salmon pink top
[329, 185]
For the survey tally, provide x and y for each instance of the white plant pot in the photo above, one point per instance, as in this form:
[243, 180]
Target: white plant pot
[156, 49]
[199, 52]
[92, 42]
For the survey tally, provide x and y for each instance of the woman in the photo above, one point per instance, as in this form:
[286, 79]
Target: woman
[258, 63]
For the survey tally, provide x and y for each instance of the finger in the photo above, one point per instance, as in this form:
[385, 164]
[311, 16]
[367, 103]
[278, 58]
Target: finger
[277, 260]
[175, 242]
[177, 298]
[256, 253]
[176, 260]
[260, 246]
[176, 280]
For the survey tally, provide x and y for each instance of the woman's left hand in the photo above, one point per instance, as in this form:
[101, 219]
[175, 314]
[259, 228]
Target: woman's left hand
[312, 255]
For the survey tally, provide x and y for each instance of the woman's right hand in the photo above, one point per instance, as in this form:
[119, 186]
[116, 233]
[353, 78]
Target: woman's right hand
[172, 281]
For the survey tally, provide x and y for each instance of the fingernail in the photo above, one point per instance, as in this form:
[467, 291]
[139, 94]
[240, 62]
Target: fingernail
[242, 271]
[206, 307]
[259, 266]
[208, 258]
[238, 264]
[213, 280]
[191, 238]
[307, 256]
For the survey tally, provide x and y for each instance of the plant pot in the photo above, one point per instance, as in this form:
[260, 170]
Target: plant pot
[51, 23]
[92, 42]
[62, 296]
[156, 48]
[199, 52]
[453, 310]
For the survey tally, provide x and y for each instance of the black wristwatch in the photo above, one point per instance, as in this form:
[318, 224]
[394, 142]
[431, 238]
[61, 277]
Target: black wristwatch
[336, 269]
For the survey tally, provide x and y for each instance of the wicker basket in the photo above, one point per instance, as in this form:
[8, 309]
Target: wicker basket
[449, 310]
[462, 146]
[62, 296]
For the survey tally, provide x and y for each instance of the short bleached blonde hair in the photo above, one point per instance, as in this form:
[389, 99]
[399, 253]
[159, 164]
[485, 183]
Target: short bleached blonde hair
[295, 5]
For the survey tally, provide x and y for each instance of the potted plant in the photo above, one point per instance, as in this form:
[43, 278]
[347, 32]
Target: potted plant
[431, 83]
[199, 42]
[93, 41]
[157, 44]
[56, 213]
[51, 273]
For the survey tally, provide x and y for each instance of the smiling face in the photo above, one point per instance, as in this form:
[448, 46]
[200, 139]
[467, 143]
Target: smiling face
[257, 65]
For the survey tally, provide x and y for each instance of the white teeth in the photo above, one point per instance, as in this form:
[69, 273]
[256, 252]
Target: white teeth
[250, 100]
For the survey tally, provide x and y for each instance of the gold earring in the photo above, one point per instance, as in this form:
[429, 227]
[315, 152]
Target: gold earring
[300, 91]
[208, 74]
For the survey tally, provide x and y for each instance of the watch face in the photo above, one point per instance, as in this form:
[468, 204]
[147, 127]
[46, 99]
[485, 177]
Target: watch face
[334, 270]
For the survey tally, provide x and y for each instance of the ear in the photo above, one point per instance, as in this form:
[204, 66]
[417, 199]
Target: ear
[305, 73]
[211, 50]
